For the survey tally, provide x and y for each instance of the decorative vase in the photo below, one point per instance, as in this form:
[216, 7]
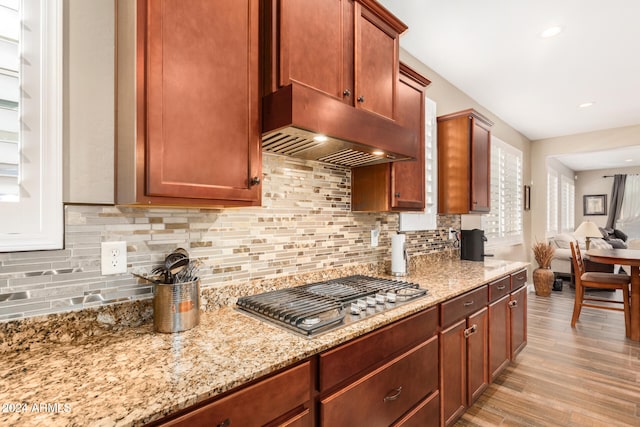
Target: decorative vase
[543, 281]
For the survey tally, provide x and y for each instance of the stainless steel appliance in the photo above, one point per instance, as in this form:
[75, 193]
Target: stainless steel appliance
[319, 307]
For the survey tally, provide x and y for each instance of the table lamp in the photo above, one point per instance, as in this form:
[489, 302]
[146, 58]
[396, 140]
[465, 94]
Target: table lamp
[587, 230]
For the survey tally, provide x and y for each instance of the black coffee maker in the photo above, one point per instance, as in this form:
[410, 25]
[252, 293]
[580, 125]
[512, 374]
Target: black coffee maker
[472, 245]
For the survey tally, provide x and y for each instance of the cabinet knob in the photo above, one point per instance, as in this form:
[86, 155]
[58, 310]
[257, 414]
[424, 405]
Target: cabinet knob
[393, 395]
[513, 304]
[346, 93]
[254, 181]
[225, 423]
[361, 99]
[397, 194]
[472, 330]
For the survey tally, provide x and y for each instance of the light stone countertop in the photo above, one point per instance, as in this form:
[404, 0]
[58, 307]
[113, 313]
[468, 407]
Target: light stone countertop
[137, 376]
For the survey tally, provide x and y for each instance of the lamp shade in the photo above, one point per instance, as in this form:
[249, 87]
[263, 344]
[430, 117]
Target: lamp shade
[588, 229]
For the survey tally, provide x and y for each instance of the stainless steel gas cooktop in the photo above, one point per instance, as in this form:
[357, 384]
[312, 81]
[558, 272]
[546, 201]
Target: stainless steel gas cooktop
[319, 307]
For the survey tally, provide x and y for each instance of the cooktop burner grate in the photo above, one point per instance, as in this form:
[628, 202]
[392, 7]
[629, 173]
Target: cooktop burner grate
[318, 307]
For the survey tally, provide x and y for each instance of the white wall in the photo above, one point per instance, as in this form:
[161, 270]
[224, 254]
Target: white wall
[89, 95]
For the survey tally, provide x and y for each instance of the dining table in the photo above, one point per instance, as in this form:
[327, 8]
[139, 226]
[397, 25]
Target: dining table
[631, 258]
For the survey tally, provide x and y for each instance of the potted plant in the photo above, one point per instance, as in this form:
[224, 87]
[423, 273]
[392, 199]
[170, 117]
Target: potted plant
[543, 276]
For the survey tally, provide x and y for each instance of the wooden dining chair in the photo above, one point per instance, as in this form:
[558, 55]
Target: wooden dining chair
[598, 280]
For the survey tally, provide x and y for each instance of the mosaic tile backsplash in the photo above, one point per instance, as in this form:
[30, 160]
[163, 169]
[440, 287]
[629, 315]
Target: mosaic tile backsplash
[305, 224]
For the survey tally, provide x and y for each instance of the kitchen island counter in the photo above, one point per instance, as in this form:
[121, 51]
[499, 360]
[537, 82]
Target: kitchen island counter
[136, 376]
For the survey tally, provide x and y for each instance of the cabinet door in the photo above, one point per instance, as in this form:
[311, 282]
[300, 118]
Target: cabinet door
[480, 167]
[407, 178]
[499, 336]
[376, 63]
[316, 45]
[453, 377]
[518, 315]
[453, 165]
[477, 355]
[201, 108]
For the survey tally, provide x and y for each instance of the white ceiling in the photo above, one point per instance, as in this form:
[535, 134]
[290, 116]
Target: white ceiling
[609, 159]
[492, 51]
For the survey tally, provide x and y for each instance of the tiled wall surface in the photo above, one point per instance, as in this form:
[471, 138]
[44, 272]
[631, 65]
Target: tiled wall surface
[304, 224]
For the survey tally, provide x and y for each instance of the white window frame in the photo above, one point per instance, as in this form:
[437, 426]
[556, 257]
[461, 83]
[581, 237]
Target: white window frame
[503, 226]
[36, 222]
[567, 204]
[553, 207]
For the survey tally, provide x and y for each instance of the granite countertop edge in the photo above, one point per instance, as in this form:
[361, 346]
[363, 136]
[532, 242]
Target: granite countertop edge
[138, 376]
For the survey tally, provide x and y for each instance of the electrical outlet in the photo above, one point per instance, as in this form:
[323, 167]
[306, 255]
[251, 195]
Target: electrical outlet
[452, 233]
[375, 235]
[113, 257]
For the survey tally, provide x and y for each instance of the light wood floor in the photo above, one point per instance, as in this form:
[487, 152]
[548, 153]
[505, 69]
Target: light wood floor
[587, 376]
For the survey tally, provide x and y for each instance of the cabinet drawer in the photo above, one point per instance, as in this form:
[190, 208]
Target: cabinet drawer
[362, 354]
[499, 288]
[518, 279]
[463, 305]
[257, 404]
[380, 398]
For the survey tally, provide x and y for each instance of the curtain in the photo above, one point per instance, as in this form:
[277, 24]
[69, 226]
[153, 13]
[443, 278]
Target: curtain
[617, 196]
[629, 220]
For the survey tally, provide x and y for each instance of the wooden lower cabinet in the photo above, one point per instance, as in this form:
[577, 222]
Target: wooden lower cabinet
[477, 355]
[464, 367]
[453, 383]
[258, 404]
[387, 393]
[499, 336]
[518, 317]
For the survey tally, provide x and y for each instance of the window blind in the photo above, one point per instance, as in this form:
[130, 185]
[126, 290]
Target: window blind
[567, 204]
[9, 100]
[552, 202]
[503, 225]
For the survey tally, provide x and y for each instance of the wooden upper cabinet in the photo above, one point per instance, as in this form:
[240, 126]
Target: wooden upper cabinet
[464, 156]
[376, 62]
[197, 136]
[398, 186]
[315, 45]
[344, 48]
[408, 178]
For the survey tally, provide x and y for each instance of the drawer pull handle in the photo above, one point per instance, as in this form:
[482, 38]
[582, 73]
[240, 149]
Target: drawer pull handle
[470, 331]
[395, 394]
[468, 304]
[225, 423]
[513, 304]
[501, 287]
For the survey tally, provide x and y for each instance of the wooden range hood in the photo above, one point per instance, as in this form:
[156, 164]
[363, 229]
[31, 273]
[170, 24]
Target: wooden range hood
[295, 114]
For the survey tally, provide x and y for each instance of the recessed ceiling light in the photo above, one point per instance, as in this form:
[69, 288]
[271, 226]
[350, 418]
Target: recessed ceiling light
[320, 138]
[629, 160]
[551, 31]
[586, 104]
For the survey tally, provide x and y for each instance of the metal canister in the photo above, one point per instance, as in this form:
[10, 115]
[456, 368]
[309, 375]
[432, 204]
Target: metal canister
[176, 306]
